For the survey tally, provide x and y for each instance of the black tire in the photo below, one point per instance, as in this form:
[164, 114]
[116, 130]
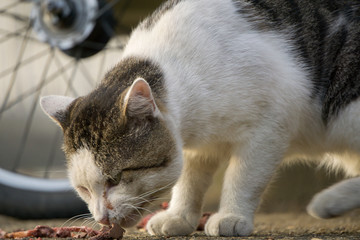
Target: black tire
[33, 198]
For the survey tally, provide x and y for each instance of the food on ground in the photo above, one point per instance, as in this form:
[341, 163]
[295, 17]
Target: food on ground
[205, 217]
[110, 232]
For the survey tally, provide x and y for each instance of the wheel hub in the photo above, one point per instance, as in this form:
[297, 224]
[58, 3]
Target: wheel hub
[73, 25]
[59, 14]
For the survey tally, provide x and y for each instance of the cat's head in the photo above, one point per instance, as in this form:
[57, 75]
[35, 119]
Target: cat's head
[121, 152]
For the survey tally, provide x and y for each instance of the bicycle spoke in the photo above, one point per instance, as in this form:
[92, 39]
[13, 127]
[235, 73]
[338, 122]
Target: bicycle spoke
[108, 29]
[56, 137]
[87, 75]
[19, 37]
[10, 35]
[4, 9]
[120, 44]
[18, 17]
[32, 91]
[24, 62]
[93, 45]
[126, 6]
[15, 70]
[17, 33]
[15, 16]
[64, 76]
[106, 8]
[54, 147]
[97, 46]
[102, 64]
[75, 68]
[32, 112]
[120, 14]
[105, 25]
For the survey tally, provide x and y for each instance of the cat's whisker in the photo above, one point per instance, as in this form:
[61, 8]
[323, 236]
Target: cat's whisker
[161, 198]
[73, 222]
[127, 204]
[149, 193]
[142, 199]
[153, 201]
[132, 218]
[85, 222]
[157, 190]
[94, 224]
[89, 220]
[122, 216]
[139, 196]
[74, 218]
[145, 209]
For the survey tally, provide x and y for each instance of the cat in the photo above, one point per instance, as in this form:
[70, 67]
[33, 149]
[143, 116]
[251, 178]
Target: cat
[255, 83]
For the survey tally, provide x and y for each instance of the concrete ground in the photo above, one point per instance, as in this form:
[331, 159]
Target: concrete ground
[267, 226]
[281, 214]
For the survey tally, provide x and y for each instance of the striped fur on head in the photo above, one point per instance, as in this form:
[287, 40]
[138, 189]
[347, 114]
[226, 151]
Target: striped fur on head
[101, 122]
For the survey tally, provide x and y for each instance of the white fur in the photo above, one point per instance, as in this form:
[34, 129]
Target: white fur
[233, 94]
[83, 172]
[243, 92]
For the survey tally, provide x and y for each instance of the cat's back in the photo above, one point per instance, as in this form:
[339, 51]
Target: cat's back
[325, 34]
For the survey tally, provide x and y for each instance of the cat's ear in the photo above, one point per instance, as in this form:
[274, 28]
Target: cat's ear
[139, 100]
[55, 107]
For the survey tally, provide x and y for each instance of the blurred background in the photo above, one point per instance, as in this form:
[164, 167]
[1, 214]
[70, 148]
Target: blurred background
[46, 50]
[29, 69]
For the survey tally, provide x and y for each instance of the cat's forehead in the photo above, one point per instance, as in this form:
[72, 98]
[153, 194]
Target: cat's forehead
[82, 169]
[91, 122]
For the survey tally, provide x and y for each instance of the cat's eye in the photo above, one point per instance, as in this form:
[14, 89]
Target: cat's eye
[84, 190]
[112, 182]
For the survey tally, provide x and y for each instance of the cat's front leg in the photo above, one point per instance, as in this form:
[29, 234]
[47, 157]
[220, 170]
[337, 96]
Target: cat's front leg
[246, 177]
[185, 207]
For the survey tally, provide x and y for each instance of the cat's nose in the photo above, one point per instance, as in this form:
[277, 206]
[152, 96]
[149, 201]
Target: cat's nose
[105, 220]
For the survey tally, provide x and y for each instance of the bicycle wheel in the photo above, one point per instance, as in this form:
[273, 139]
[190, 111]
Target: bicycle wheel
[47, 47]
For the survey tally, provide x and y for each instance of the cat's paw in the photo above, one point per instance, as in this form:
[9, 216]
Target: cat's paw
[170, 224]
[229, 224]
[326, 205]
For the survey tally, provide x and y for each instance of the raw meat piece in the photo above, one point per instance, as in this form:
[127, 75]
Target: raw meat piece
[113, 232]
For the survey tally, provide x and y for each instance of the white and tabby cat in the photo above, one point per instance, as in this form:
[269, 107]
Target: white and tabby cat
[251, 82]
